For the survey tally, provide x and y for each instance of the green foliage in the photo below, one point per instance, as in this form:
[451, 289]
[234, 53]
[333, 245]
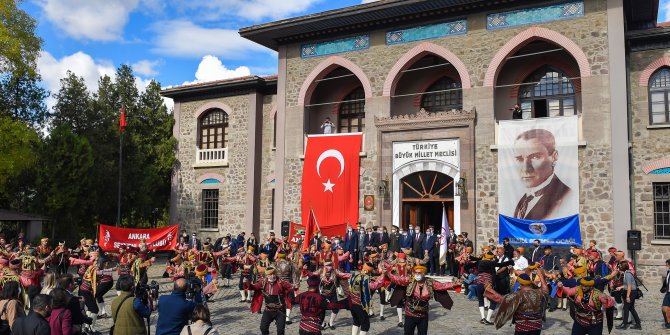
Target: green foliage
[65, 179]
[18, 146]
[19, 46]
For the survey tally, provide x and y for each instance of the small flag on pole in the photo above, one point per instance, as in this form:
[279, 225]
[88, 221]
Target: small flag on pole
[444, 238]
[310, 229]
[122, 120]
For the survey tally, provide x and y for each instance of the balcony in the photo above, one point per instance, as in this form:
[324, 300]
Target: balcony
[211, 157]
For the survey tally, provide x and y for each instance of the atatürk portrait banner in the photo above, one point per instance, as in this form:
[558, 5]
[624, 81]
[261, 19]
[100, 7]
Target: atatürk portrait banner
[538, 180]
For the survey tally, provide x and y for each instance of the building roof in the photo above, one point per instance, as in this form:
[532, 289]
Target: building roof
[368, 16]
[266, 84]
[649, 39]
[640, 14]
[7, 215]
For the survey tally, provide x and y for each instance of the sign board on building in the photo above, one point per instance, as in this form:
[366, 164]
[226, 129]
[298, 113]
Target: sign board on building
[446, 151]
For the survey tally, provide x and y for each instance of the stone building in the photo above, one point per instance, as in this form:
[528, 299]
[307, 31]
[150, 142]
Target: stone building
[441, 72]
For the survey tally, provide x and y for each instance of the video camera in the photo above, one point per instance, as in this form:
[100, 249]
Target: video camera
[194, 288]
[147, 293]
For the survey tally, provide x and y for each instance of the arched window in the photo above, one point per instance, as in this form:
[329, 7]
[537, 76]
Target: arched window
[659, 86]
[447, 95]
[546, 93]
[352, 112]
[214, 130]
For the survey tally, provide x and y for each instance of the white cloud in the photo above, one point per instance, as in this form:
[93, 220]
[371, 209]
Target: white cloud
[211, 68]
[81, 64]
[369, 1]
[254, 10]
[665, 10]
[146, 67]
[185, 39]
[98, 20]
[169, 103]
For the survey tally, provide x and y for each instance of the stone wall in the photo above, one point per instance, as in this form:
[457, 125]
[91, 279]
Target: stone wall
[233, 189]
[649, 144]
[476, 49]
[267, 165]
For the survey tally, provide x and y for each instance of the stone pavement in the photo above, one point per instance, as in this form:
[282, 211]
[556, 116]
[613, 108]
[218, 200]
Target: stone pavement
[233, 317]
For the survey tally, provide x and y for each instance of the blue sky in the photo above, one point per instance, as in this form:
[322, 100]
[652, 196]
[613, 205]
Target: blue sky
[172, 41]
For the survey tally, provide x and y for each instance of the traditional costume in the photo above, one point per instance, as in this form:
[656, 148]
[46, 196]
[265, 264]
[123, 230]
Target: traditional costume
[524, 307]
[418, 292]
[358, 293]
[313, 306]
[274, 292]
[587, 308]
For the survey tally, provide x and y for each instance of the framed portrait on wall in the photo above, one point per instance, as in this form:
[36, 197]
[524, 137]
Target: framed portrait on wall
[369, 202]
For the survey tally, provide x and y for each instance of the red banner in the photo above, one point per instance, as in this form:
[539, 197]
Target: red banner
[295, 232]
[158, 239]
[330, 181]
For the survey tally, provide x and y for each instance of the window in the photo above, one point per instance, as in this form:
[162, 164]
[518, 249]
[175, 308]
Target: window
[547, 93]
[214, 130]
[659, 86]
[352, 112]
[210, 209]
[447, 96]
[662, 210]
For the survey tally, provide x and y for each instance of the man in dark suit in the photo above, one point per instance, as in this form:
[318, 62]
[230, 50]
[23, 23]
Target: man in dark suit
[428, 245]
[394, 240]
[405, 240]
[417, 243]
[370, 239]
[536, 156]
[351, 245]
[361, 244]
[382, 236]
[467, 242]
[452, 241]
[537, 252]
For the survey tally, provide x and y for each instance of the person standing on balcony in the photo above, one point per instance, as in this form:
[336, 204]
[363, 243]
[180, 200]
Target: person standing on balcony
[328, 127]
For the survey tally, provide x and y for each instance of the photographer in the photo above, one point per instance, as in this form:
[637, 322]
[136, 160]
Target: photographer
[128, 311]
[174, 310]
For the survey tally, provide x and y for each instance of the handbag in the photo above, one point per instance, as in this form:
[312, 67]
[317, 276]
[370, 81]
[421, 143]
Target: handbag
[638, 293]
[116, 315]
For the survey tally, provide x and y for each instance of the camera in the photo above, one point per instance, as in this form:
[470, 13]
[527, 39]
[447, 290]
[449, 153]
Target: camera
[194, 288]
[147, 293]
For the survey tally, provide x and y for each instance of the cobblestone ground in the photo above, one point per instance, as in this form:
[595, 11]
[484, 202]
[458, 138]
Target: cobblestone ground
[232, 317]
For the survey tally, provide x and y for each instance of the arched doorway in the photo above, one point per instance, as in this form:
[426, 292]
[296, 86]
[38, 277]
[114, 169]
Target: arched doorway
[340, 97]
[423, 194]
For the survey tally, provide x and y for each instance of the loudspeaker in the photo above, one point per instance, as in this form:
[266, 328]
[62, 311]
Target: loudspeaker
[634, 240]
[285, 227]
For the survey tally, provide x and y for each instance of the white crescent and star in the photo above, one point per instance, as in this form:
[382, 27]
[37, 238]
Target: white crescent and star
[328, 186]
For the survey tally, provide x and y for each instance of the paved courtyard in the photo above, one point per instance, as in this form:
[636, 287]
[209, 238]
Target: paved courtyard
[232, 317]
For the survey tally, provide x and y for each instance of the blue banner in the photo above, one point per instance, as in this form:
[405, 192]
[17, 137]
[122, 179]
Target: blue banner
[557, 232]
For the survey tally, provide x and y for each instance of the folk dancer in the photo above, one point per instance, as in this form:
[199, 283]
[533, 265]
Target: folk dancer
[89, 285]
[105, 283]
[358, 291]
[286, 271]
[246, 261]
[587, 308]
[484, 287]
[31, 268]
[313, 306]
[142, 263]
[419, 290]
[525, 307]
[399, 267]
[328, 288]
[61, 259]
[274, 292]
[43, 251]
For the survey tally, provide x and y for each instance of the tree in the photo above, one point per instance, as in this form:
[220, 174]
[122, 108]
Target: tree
[22, 98]
[18, 145]
[19, 46]
[65, 179]
[73, 105]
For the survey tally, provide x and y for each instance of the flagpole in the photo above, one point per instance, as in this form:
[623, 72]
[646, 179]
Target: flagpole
[118, 199]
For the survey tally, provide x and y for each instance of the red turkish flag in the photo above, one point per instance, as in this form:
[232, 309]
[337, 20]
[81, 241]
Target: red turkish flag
[330, 180]
[122, 120]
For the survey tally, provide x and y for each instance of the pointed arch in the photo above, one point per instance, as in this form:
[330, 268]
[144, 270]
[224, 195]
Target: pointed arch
[418, 52]
[323, 69]
[533, 34]
[652, 68]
